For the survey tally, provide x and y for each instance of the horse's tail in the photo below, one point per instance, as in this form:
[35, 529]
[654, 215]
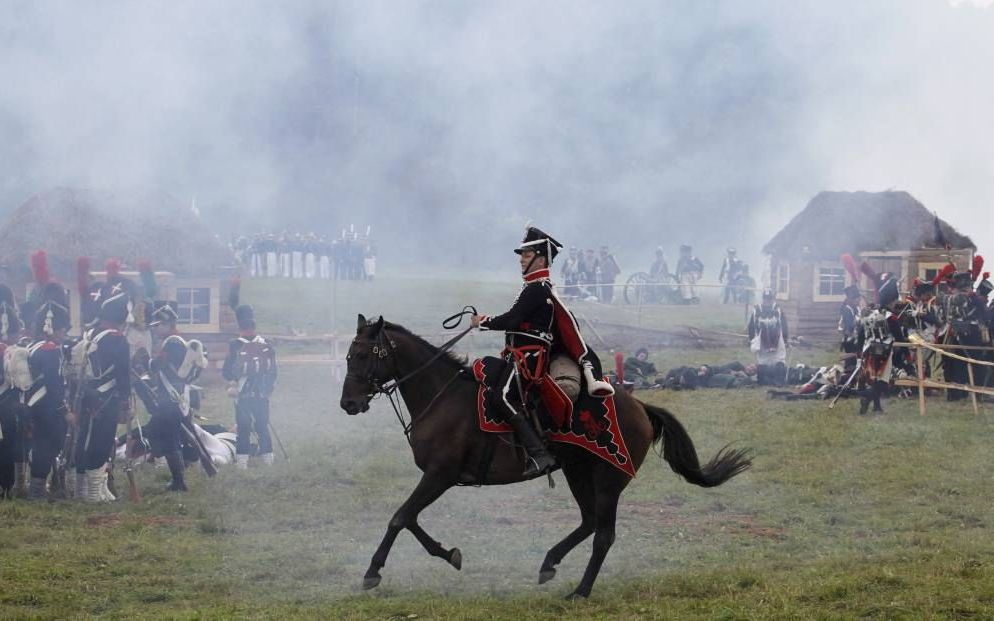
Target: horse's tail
[680, 454]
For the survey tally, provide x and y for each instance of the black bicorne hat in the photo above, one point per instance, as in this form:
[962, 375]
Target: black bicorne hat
[984, 288]
[852, 291]
[10, 316]
[540, 242]
[163, 311]
[924, 290]
[963, 280]
[887, 290]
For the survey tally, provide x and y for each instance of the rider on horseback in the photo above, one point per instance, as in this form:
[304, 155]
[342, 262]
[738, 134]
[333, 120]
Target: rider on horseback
[537, 326]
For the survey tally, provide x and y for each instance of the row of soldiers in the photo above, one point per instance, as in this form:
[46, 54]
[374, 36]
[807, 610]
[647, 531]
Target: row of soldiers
[308, 255]
[589, 276]
[952, 309]
[62, 398]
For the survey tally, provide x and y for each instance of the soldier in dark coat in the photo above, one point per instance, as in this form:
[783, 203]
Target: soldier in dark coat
[103, 358]
[250, 370]
[639, 370]
[849, 324]
[46, 398]
[169, 397]
[13, 416]
[768, 338]
[536, 326]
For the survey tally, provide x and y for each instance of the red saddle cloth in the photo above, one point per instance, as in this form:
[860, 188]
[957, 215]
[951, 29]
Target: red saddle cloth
[591, 423]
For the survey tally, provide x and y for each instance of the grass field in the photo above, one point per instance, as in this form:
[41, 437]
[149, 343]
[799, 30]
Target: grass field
[841, 517]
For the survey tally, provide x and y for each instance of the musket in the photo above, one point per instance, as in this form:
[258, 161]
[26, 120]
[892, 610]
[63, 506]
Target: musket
[278, 441]
[205, 458]
[188, 431]
[129, 462]
[67, 457]
[859, 365]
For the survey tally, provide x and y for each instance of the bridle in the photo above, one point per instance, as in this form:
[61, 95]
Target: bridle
[387, 384]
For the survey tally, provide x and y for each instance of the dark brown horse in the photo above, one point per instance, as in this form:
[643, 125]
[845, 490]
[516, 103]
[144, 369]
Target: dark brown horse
[450, 449]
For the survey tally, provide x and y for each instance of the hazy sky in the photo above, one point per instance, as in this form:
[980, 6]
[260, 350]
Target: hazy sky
[451, 124]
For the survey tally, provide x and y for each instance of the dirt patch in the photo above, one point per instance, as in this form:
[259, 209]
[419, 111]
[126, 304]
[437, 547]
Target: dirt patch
[114, 520]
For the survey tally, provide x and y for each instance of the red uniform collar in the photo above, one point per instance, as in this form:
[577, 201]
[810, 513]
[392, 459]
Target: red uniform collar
[537, 275]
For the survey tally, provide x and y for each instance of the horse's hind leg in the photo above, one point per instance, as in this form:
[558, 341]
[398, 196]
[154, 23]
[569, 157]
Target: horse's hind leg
[583, 492]
[428, 490]
[606, 512]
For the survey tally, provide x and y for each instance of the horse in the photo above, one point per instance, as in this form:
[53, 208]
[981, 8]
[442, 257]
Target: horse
[449, 447]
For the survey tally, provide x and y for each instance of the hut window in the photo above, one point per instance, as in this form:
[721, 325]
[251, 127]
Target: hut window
[193, 304]
[782, 281]
[831, 281]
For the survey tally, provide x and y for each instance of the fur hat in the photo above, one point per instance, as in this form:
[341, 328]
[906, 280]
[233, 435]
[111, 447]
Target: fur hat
[119, 295]
[50, 300]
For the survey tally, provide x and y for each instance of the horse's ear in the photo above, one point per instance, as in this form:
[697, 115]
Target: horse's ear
[362, 322]
[379, 324]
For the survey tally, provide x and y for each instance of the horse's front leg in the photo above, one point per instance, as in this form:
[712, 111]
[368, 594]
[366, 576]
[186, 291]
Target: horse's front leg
[431, 486]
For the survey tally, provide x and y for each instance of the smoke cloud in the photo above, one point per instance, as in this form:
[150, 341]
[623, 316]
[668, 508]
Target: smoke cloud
[450, 124]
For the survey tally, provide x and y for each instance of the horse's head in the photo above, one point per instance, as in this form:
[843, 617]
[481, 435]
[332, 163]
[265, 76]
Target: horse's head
[367, 366]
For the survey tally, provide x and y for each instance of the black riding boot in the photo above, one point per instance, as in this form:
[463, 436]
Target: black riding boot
[176, 465]
[539, 459]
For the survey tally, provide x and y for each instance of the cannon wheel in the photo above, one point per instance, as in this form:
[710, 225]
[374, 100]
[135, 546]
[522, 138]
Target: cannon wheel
[637, 287]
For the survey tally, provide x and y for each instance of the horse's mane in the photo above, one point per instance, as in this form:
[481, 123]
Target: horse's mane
[449, 358]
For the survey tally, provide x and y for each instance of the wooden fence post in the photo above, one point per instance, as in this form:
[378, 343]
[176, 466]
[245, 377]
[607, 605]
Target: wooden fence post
[973, 395]
[920, 363]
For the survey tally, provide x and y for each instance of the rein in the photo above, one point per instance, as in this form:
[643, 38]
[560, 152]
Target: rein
[390, 386]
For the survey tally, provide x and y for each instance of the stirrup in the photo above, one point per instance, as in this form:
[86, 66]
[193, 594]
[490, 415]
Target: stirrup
[532, 468]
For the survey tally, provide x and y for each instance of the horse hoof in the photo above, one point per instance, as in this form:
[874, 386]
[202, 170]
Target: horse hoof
[455, 558]
[575, 596]
[545, 575]
[370, 582]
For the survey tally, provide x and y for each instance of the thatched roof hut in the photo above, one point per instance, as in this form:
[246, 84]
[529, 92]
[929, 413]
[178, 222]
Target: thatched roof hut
[834, 223]
[69, 223]
[891, 231]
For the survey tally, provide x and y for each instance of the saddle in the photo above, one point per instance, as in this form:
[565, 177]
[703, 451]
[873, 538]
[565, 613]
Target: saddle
[590, 423]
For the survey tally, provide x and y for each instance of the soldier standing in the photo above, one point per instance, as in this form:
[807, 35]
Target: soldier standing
[768, 340]
[688, 270]
[46, 398]
[13, 423]
[609, 271]
[250, 370]
[103, 357]
[731, 268]
[849, 321]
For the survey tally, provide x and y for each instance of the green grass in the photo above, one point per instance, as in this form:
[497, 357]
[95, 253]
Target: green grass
[841, 516]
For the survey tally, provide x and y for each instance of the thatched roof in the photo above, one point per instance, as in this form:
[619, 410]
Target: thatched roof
[834, 223]
[68, 223]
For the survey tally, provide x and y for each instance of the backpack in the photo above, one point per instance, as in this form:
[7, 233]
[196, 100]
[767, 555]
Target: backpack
[255, 359]
[79, 357]
[17, 370]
